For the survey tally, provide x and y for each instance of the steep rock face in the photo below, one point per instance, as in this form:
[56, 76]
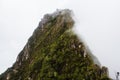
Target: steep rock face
[54, 52]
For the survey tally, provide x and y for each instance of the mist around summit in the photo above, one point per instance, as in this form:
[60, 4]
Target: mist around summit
[98, 24]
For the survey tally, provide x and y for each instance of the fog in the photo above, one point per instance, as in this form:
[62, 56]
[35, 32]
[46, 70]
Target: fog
[97, 22]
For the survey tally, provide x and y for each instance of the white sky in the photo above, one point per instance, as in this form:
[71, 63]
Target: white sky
[98, 22]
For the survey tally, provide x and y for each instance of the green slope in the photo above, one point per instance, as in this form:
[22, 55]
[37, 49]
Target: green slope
[54, 52]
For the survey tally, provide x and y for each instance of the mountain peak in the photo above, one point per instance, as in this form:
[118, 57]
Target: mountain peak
[54, 52]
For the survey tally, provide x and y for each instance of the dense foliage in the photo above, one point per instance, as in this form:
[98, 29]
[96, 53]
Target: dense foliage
[54, 52]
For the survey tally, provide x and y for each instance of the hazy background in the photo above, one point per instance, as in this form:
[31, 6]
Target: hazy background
[98, 22]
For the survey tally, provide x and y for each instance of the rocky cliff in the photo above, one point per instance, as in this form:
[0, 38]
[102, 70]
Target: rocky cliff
[54, 52]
